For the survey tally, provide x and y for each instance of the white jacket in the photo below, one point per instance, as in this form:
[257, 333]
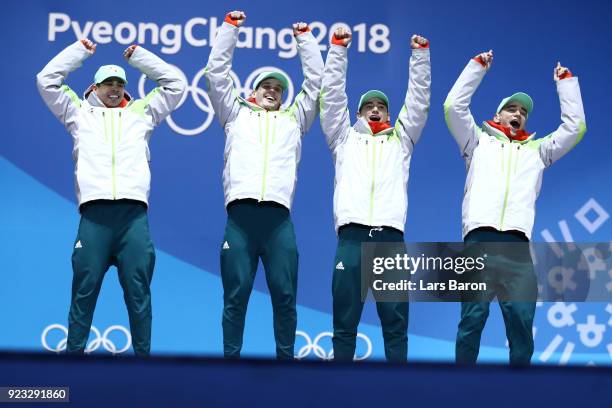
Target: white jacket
[111, 150]
[504, 177]
[262, 148]
[372, 169]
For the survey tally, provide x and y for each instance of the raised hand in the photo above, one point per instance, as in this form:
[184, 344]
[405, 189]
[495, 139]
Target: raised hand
[417, 41]
[129, 51]
[236, 18]
[300, 28]
[342, 36]
[89, 45]
[560, 72]
[485, 59]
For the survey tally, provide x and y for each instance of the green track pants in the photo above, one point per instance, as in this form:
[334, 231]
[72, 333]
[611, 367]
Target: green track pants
[346, 292]
[508, 279]
[112, 233]
[259, 229]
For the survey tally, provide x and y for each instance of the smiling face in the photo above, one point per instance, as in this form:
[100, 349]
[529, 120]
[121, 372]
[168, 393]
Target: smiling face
[269, 94]
[374, 110]
[513, 116]
[111, 91]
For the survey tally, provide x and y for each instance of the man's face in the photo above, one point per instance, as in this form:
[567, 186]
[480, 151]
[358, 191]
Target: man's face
[513, 116]
[374, 110]
[110, 91]
[269, 94]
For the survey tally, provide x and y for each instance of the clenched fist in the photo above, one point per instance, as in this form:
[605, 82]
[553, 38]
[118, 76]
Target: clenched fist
[300, 28]
[342, 36]
[236, 18]
[560, 72]
[90, 46]
[417, 41]
[485, 59]
[129, 51]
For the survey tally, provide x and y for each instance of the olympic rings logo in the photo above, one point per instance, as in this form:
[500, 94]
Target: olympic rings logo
[313, 346]
[99, 340]
[202, 100]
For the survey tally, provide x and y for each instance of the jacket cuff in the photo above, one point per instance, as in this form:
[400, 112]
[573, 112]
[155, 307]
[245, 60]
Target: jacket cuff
[307, 30]
[304, 37]
[79, 47]
[479, 60]
[420, 51]
[567, 82]
[339, 48]
[336, 41]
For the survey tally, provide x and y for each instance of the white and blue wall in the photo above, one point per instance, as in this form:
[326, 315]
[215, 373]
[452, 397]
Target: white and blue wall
[39, 219]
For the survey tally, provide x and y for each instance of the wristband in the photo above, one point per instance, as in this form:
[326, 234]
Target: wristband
[230, 20]
[338, 41]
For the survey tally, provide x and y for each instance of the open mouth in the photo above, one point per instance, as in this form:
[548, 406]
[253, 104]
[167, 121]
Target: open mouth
[374, 118]
[270, 99]
[515, 124]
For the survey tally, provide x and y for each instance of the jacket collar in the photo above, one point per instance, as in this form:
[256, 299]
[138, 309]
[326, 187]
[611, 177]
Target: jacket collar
[254, 106]
[490, 130]
[362, 126]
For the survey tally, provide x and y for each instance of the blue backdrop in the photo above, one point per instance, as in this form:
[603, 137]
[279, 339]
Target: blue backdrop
[38, 216]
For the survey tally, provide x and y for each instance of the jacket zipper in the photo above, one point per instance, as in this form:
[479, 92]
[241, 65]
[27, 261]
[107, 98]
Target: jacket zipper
[105, 128]
[503, 213]
[516, 160]
[114, 156]
[119, 130]
[373, 179]
[259, 125]
[265, 168]
[274, 130]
